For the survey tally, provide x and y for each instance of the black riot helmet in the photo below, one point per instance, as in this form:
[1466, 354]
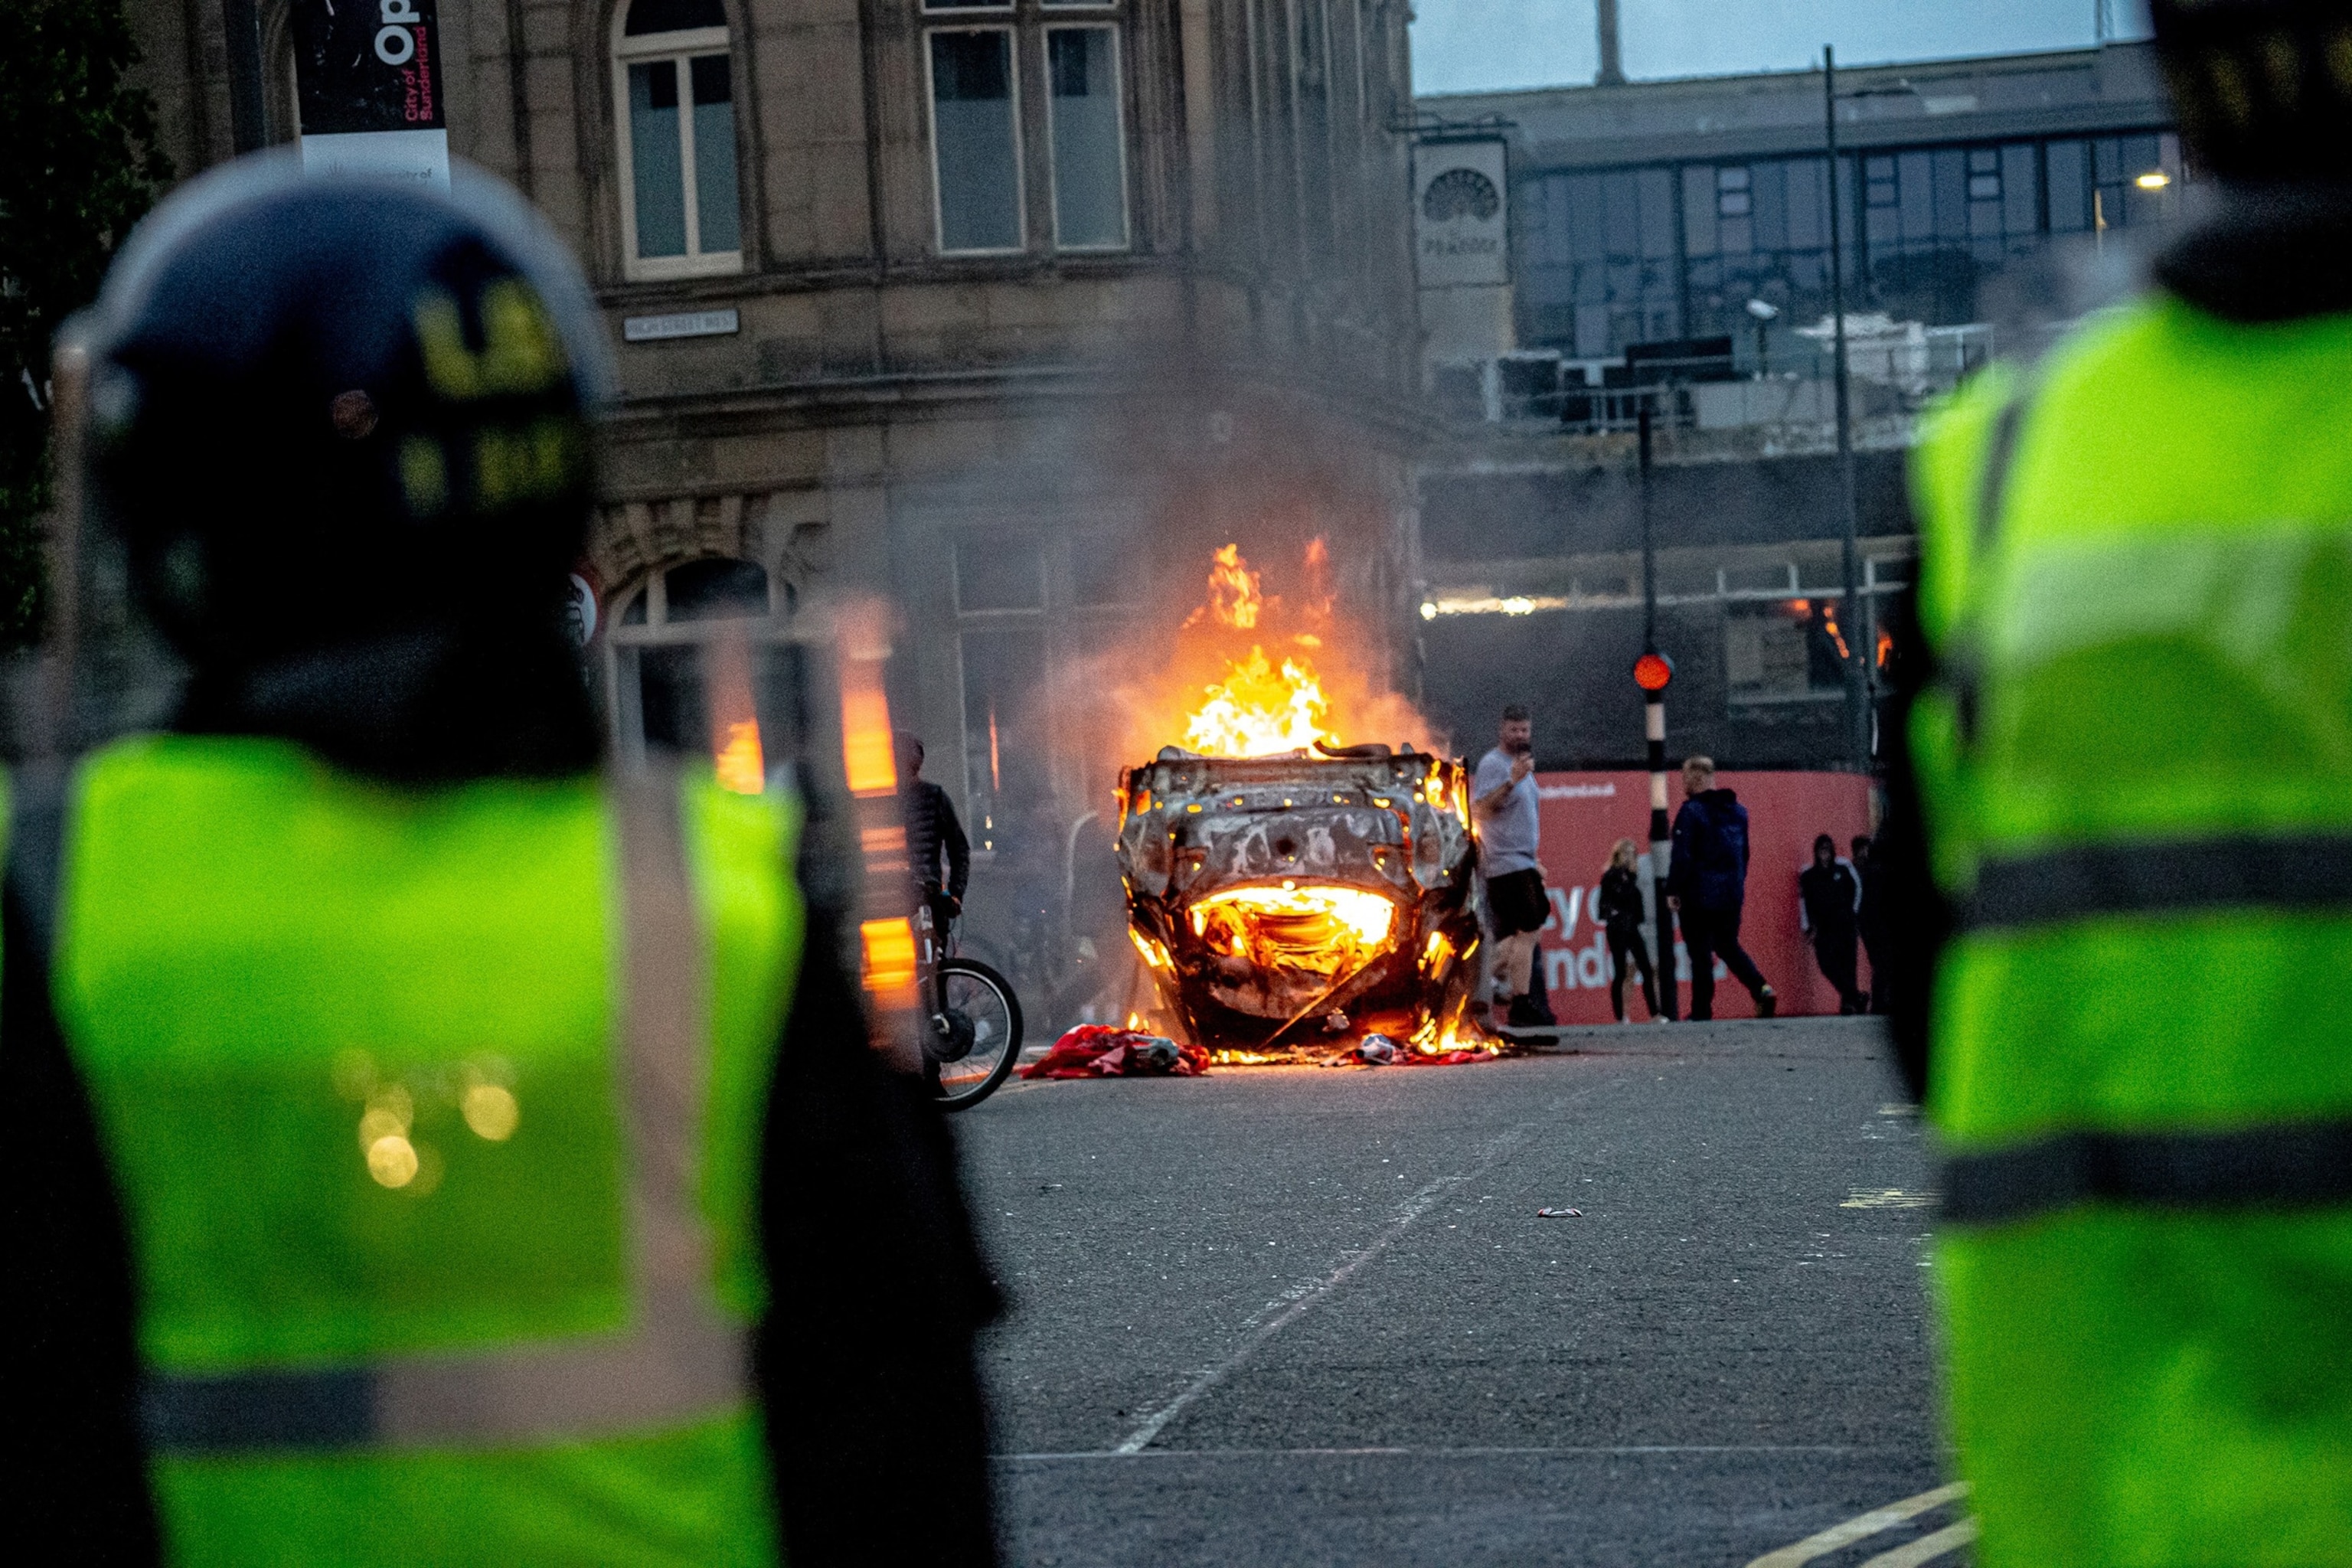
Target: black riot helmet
[340, 429]
[2263, 88]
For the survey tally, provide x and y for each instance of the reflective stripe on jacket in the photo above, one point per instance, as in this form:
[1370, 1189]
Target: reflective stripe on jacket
[437, 1119]
[2137, 766]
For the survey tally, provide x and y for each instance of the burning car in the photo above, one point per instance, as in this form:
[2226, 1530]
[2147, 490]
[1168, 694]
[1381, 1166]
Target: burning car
[1304, 899]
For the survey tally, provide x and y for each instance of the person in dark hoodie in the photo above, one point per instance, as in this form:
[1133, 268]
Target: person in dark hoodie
[1827, 899]
[1708, 884]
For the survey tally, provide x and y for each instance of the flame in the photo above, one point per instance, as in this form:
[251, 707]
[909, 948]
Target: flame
[1254, 673]
[1153, 953]
[1234, 597]
[1258, 710]
[739, 765]
[1326, 929]
[1829, 625]
[1886, 645]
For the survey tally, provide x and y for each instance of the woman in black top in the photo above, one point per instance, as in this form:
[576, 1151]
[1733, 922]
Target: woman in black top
[1620, 912]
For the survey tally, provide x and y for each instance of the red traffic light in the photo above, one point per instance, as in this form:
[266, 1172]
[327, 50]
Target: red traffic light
[1652, 670]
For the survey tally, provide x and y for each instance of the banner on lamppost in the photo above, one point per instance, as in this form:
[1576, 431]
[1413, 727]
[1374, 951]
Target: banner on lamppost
[367, 78]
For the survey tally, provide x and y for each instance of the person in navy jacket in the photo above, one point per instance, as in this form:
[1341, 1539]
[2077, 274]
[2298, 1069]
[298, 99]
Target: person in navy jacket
[1708, 884]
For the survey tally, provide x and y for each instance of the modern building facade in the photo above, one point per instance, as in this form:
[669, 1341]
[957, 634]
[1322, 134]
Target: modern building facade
[1670, 247]
[1008, 310]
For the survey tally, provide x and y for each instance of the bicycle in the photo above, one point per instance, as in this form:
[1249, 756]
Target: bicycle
[972, 1034]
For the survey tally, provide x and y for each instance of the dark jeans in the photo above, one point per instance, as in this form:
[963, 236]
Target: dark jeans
[1882, 985]
[1706, 933]
[1624, 941]
[1833, 950]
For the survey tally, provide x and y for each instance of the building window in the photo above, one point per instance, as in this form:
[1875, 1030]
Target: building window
[672, 83]
[1731, 193]
[992, 575]
[975, 140]
[981, 124]
[1880, 181]
[700, 659]
[1984, 174]
[1089, 141]
[1785, 650]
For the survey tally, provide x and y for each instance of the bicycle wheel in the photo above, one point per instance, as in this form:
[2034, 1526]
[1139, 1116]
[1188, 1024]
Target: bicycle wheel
[977, 999]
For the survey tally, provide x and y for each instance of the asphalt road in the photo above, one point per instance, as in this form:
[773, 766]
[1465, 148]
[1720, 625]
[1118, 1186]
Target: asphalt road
[1309, 1316]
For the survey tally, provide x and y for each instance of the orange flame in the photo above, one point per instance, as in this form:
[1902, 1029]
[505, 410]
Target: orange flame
[1829, 625]
[1259, 711]
[1246, 674]
[1234, 597]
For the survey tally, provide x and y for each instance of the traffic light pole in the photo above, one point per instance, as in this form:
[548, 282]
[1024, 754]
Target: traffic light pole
[1652, 672]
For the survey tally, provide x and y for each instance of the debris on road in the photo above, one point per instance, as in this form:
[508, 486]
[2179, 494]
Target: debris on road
[1102, 1050]
[1376, 1049]
[1560, 1213]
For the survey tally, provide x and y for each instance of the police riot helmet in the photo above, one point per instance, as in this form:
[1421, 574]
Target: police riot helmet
[2263, 88]
[340, 432]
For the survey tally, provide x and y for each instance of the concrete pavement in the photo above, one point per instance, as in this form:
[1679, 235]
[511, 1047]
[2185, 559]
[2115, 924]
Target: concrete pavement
[1302, 1316]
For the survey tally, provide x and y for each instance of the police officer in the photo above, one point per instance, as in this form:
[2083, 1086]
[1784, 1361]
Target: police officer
[2135, 757]
[433, 1148]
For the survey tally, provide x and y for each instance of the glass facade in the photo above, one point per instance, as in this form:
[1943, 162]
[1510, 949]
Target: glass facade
[1613, 257]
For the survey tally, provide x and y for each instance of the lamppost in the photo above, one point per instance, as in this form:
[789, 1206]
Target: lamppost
[1764, 312]
[1861, 697]
[241, 29]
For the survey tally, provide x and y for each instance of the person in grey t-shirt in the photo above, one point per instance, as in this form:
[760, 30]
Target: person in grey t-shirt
[1503, 797]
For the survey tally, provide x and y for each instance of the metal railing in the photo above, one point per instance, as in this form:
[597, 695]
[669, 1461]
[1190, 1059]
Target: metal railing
[1896, 369]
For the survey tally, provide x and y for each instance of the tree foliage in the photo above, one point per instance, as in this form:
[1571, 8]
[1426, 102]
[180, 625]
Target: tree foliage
[81, 168]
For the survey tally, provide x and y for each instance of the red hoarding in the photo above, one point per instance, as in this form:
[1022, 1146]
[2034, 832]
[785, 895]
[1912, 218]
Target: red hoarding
[1585, 814]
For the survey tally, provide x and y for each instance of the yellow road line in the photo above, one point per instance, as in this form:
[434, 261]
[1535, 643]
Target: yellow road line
[1928, 1548]
[1861, 1527]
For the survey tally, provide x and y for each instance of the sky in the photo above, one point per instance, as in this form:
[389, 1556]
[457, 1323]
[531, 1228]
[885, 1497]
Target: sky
[1484, 46]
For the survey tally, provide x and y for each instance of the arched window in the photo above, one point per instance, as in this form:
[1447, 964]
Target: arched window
[699, 658]
[674, 96]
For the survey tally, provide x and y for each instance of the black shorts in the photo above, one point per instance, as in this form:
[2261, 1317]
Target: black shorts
[1518, 900]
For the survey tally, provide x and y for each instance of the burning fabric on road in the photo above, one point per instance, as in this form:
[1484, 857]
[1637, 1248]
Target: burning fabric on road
[1101, 1050]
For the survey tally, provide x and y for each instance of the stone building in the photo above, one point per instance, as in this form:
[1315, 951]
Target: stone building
[1010, 310]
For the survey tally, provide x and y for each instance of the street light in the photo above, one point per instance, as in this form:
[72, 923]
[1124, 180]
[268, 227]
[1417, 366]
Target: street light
[1764, 312]
[1858, 673]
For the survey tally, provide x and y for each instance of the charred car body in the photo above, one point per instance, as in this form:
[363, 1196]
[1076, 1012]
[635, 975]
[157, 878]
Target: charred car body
[1284, 901]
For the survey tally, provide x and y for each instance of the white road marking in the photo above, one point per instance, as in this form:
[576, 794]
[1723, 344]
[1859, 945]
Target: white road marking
[1928, 1548]
[1601, 1451]
[1862, 1527]
[1294, 1303]
[1888, 1198]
